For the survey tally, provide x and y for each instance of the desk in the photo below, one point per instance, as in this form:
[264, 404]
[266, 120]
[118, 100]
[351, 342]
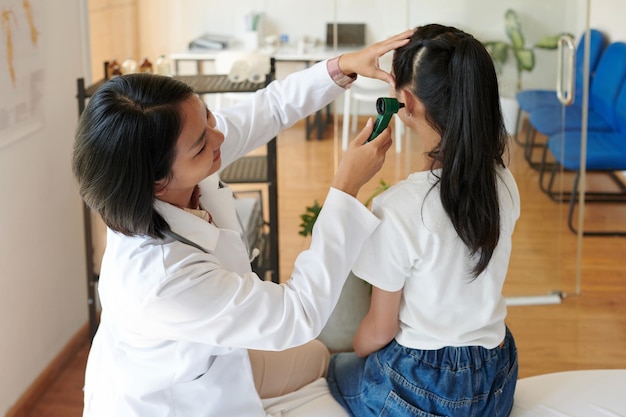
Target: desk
[283, 54]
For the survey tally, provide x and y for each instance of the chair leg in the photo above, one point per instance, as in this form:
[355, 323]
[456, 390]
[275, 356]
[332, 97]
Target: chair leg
[554, 196]
[542, 169]
[518, 122]
[399, 130]
[346, 120]
[531, 133]
[603, 198]
[543, 166]
[355, 114]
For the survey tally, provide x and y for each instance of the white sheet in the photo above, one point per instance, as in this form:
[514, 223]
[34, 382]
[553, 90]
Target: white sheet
[313, 400]
[593, 393]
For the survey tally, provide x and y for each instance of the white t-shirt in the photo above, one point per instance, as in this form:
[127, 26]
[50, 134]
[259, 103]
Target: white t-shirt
[417, 249]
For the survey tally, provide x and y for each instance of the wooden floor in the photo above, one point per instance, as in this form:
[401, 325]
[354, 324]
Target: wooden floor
[586, 330]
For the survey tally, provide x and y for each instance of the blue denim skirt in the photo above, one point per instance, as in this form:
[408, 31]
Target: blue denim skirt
[453, 381]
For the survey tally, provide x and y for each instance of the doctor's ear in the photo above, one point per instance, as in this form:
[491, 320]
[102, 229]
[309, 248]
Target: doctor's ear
[160, 187]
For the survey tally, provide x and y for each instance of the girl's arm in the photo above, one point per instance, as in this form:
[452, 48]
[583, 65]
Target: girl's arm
[380, 325]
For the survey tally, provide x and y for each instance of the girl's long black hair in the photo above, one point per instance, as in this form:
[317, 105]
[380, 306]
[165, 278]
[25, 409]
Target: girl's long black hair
[453, 75]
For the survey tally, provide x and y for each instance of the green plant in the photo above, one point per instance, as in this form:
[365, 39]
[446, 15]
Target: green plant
[311, 212]
[524, 56]
[309, 218]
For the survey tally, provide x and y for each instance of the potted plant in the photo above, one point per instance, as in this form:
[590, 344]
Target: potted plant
[524, 57]
[354, 300]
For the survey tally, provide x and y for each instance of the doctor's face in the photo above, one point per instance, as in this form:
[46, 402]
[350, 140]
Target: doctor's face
[197, 148]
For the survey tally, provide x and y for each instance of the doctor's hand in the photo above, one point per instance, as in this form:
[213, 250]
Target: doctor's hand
[362, 160]
[365, 61]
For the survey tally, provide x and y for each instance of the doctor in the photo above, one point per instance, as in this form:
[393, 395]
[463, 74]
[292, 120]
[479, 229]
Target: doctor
[180, 304]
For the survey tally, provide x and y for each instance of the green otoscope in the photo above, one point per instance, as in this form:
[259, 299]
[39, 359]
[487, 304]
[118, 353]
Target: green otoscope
[386, 107]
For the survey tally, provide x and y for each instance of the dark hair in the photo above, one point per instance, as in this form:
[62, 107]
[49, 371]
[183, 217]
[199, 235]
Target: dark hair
[125, 142]
[452, 74]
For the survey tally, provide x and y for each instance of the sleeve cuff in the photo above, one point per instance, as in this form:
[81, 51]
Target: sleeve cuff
[341, 79]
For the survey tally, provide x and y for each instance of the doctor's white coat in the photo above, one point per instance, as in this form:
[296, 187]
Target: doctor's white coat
[176, 321]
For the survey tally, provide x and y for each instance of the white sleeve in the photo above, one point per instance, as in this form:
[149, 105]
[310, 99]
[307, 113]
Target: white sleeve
[259, 118]
[385, 261]
[204, 303]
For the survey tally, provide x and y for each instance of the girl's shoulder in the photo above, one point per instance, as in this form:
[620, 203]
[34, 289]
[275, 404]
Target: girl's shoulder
[406, 195]
[417, 183]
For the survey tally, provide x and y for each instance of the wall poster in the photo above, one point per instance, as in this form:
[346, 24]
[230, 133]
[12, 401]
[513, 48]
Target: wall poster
[21, 69]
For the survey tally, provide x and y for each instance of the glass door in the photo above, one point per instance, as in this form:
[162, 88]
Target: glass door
[545, 262]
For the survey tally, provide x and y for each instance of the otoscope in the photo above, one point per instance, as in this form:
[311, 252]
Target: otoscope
[386, 107]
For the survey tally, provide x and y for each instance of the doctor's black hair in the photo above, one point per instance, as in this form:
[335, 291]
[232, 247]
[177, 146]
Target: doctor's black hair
[125, 142]
[452, 74]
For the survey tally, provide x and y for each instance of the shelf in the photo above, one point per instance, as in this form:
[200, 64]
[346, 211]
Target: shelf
[249, 169]
[217, 83]
[201, 84]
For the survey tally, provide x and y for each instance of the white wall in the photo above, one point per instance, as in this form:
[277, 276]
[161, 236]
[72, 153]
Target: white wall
[42, 280]
[168, 27]
[608, 16]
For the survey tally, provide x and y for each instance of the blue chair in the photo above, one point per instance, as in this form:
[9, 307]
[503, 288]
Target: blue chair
[605, 85]
[530, 100]
[608, 77]
[606, 154]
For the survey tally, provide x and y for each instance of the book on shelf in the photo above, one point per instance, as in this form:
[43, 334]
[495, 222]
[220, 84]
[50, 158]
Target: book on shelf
[210, 41]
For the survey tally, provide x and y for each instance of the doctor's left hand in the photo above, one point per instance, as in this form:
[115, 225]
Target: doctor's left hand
[365, 61]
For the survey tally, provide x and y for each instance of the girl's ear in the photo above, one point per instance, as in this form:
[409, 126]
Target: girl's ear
[412, 105]
[409, 101]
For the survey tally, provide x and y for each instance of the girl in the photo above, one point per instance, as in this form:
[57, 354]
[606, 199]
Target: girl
[434, 342]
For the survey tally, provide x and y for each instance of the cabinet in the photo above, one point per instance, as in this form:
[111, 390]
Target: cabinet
[257, 169]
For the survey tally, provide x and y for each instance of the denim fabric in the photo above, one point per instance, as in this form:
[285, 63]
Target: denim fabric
[453, 381]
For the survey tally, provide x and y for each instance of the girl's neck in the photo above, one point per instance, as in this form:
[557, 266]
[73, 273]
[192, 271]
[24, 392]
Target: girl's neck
[427, 139]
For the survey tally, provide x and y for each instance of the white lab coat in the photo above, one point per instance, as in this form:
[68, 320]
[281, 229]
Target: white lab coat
[176, 321]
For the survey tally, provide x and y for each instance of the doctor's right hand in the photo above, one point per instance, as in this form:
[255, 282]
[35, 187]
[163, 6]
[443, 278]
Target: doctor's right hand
[362, 160]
